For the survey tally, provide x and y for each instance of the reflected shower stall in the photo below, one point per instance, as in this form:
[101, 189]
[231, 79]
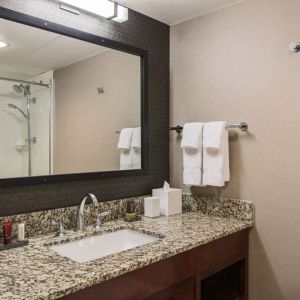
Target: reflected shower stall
[25, 127]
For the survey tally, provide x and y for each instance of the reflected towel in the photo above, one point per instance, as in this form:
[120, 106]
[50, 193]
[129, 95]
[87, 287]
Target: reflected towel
[136, 138]
[126, 160]
[125, 138]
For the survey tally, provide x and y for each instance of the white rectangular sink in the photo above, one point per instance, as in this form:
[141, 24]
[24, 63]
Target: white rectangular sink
[95, 247]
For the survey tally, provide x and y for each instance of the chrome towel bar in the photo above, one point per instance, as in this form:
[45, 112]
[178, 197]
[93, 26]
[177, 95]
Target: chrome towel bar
[243, 126]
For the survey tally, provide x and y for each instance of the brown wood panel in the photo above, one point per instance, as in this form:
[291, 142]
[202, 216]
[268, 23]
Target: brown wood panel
[184, 290]
[167, 275]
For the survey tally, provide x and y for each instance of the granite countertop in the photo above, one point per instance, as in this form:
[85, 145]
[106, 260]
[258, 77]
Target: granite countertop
[37, 272]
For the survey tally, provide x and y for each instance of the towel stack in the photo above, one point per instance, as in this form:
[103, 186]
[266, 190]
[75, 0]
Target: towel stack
[130, 146]
[205, 154]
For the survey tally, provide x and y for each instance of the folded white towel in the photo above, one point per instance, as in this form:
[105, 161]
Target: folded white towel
[136, 138]
[192, 153]
[136, 158]
[126, 159]
[215, 154]
[192, 135]
[192, 165]
[125, 138]
[213, 135]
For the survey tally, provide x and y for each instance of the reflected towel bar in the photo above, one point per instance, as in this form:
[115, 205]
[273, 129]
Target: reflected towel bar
[243, 126]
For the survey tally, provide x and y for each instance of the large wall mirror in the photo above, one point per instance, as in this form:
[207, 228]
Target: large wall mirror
[69, 106]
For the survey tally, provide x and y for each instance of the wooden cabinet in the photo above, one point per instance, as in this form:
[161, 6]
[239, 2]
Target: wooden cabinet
[184, 290]
[186, 276]
[226, 284]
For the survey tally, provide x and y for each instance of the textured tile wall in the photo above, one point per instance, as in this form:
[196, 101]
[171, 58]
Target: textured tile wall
[140, 31]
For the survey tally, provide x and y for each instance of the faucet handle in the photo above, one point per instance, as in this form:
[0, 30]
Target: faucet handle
[98, 223]
[61, 230]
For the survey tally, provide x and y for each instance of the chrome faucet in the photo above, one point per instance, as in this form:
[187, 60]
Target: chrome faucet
[80, 217]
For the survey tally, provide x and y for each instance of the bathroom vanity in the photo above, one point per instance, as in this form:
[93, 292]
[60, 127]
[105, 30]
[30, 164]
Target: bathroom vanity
[184, 276]
[186, 251]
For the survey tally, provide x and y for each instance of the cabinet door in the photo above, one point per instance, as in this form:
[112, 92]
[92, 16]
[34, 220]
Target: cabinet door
[182, 291]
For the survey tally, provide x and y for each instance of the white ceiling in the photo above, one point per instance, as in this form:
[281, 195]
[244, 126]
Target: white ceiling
[173, 12]
[33, 51]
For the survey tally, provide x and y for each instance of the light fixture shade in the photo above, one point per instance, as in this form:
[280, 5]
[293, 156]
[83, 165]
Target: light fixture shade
[3, 44]
[104, 8]
[122, 14]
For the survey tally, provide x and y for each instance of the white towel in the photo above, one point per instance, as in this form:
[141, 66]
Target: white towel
[192, 153]
[126, 160]
[136, 158]
[125, 138]
[136, 138]
[136, 148]
[215, 154]
[191, 137]
[213, 135]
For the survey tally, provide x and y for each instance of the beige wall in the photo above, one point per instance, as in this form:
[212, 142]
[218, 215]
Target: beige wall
[234, 65]
[85, 122]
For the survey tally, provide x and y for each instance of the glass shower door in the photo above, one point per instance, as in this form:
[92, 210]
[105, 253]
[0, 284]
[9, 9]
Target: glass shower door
[24, 129]
[13, 132]
[40, 128]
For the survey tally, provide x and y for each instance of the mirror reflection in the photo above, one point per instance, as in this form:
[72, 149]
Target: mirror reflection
[66, 106]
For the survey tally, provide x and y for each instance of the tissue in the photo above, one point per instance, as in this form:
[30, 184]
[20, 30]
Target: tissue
[166, 186]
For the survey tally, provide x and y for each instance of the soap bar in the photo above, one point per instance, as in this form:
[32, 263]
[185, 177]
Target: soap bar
[170, 201]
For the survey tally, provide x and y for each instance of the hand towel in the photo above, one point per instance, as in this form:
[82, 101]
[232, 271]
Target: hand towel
[136, 158]
[136, 138]
[135, 150]
[192, 153]
[191, 137]
[213, 135]
[126, 159]
[125, 138]
[215, 154]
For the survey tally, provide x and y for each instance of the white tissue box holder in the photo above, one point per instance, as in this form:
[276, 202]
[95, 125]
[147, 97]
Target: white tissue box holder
[170, 201]
[151, 207]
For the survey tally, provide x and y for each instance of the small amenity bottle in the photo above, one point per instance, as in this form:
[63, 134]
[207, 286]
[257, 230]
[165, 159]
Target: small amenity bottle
[7, 232]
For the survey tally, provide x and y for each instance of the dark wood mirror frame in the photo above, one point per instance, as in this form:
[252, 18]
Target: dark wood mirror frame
[91, 38]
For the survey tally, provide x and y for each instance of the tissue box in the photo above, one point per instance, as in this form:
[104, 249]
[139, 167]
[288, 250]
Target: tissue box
[170, 201]
[151, 207]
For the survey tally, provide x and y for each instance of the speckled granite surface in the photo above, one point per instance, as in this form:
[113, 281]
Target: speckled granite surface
[37, 272]
[38, 223]
[220, 207]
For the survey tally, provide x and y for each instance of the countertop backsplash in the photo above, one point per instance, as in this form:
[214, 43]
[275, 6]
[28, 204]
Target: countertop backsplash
[38, 223]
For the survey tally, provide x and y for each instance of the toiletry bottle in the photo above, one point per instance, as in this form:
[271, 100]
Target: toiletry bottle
[7, 232]
[21, 232]
[130, 210]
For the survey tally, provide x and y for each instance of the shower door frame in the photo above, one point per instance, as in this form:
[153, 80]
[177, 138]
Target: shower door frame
[18, 17]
